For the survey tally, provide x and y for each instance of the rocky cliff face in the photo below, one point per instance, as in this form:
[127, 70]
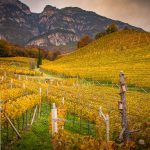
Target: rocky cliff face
[51, 28]
[17, 23]
[2, 37]
[56, 38]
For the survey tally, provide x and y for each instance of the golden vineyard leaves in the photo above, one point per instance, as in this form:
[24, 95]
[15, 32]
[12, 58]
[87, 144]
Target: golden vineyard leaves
[14, 109]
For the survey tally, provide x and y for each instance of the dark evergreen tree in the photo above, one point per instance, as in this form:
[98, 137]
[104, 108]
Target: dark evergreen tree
[39, 59]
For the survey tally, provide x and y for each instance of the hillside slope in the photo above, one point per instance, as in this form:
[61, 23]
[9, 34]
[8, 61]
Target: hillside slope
[104, 58]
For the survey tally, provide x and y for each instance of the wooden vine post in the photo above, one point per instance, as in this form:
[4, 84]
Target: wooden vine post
[34, 115]
[54, 119]
[19, 77]
[8, 119]
[106, 120]
[124, 135]
[24, 86]
[63, 100]
[40, 93]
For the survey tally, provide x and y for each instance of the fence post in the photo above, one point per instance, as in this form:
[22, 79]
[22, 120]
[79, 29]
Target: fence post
[34, 115]
[40, 92]
[57, 83]
[122, 107]
[19, 78]
[54, 119]
[63, 100]
[106, 120]
[19, 136]
[107, 128]
[23, 86]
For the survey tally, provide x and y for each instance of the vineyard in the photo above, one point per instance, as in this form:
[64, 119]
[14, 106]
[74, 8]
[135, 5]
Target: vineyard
[28, 96]
[76, 102]
[104, 58]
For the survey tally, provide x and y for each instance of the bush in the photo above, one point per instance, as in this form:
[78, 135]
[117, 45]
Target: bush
[54, 55]
[32, 64]
[112, 28]
[99, 35]
[10, 50]
[84, 41]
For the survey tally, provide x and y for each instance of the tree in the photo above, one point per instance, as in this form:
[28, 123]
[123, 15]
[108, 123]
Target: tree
[5, 49]
[39, 59]
[84, 41]
[112, 28]
[99, 35]
[54, 55]
[126, 28]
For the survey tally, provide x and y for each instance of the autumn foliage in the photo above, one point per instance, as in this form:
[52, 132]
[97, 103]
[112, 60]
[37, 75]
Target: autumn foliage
[10, 50]
[84, 41]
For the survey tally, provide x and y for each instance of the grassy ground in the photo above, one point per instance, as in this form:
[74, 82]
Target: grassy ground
[75, 125]
[38, 136]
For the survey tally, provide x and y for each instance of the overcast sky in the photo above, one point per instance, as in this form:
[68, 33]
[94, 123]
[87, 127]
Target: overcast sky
[134, 12]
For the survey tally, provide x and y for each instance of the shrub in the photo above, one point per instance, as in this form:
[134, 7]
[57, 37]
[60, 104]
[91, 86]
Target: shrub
[84, 41]
[112, 28]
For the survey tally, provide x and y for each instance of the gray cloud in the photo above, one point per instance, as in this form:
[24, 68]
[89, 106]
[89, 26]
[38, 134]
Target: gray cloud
[134, 12]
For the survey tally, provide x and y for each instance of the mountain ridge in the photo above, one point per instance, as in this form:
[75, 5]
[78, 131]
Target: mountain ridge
[20, 26]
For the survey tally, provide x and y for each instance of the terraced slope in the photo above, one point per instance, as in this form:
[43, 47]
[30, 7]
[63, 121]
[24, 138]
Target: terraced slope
[104, 58]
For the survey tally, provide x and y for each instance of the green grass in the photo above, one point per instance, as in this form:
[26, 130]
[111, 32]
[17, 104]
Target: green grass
[38, 136]
[83, 127]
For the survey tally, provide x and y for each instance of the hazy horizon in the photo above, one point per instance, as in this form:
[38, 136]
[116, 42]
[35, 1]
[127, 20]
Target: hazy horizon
[135, 12]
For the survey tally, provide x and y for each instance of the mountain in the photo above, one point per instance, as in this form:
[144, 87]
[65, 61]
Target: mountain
[103, 59]
[17, 23]
[57, 39]
[53, 28]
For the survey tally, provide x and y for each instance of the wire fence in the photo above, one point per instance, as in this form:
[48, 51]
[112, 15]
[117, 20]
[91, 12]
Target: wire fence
[74, 122]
